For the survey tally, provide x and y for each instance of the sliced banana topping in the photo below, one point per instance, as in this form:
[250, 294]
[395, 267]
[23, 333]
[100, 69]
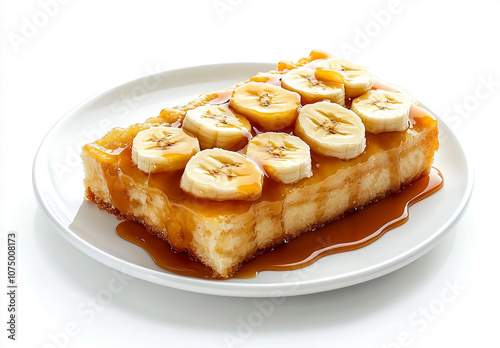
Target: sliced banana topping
[356, 78]
[311, 90]
[220, 175]
[383, 111]
[285, 158]
[331, 130]
[307, 97]
[268, 106]
[217, 126]
[163, 149]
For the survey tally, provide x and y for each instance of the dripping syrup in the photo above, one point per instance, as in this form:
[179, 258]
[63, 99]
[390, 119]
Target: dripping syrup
[353, 231]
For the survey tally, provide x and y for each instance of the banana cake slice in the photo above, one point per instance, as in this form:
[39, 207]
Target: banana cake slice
[238, 171]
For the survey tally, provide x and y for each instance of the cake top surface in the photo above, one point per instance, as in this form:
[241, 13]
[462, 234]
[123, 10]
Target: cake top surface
[277, 125]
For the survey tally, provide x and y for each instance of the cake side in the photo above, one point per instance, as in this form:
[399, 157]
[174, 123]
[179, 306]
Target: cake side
[222, 235]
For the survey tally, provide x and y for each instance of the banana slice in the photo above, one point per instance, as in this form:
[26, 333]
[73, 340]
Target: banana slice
[284, 157]
[331, 130]
[311, 90]
[356, 78]
[271, 107]
[159, 149]
[217, 126]
[221, 175]
[383, 111]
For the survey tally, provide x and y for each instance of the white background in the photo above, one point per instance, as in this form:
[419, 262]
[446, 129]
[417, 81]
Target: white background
[55, 54]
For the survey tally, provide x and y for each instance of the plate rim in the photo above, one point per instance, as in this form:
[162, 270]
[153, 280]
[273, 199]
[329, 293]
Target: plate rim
[239, 289]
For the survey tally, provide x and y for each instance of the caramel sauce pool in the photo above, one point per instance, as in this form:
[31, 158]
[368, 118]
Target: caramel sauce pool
[353, 231]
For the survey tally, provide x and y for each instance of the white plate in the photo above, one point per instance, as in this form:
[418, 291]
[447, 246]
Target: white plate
[58, 175]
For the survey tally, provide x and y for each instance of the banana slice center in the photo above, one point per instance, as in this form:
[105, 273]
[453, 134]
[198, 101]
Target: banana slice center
[386, 103]
[276, 152]
[313, 82]
[222, 170]
[222, 119]
[265, 99]
[331, 125]
[162, 143]
[348, 70]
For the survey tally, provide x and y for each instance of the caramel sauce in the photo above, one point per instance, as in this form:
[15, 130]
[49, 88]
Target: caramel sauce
[353, 231]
